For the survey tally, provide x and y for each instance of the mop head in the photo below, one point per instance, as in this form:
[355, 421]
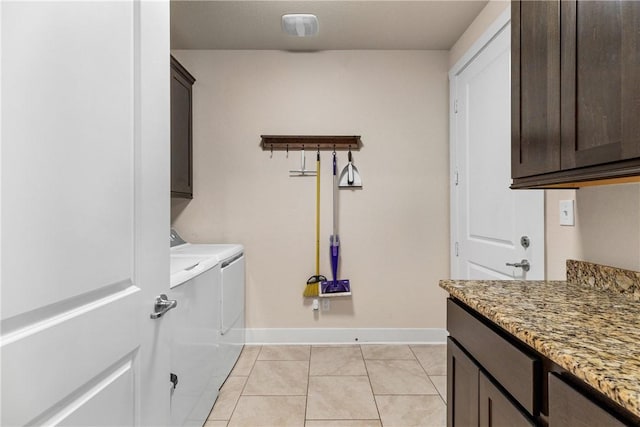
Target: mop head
[335, 286]
[313, 286]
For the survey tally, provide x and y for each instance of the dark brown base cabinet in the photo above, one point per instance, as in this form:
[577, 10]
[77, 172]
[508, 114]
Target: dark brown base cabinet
[490, 381]
[575, 90]
[462, 387]
[473, 398]
[495, 380]
[496, 409]
[568, 407]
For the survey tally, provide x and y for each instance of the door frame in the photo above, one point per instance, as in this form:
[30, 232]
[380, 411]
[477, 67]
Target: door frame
[489, 34]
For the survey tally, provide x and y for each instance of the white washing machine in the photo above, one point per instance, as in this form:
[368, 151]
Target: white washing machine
[230, 301]
[194, 338]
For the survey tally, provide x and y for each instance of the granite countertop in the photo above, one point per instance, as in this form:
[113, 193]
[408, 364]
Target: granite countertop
[588, 324]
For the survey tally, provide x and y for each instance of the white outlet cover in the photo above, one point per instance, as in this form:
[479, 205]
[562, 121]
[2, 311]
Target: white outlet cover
[567, 212]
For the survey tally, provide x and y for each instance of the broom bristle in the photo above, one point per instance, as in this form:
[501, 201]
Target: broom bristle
[313, 286]
[311, 290]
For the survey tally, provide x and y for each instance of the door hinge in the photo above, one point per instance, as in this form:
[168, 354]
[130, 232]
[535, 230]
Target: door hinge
[456, 178]
[457, 249]
[455, 106]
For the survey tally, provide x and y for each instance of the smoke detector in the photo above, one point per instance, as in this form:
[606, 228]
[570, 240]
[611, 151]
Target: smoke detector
[300, 24]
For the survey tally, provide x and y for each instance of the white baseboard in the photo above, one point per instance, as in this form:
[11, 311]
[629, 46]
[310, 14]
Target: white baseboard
[346, 336]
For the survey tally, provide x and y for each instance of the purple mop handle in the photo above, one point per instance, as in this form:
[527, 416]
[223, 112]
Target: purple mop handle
[335, 253]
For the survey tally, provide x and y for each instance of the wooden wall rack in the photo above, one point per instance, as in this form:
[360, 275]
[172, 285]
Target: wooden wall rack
[310, 142]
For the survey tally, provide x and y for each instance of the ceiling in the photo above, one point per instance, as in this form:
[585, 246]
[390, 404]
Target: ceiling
[344, 24]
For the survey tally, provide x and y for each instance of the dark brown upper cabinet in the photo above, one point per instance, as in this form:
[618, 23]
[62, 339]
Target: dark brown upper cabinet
[535, 88]
[181, 131]
[575, 93]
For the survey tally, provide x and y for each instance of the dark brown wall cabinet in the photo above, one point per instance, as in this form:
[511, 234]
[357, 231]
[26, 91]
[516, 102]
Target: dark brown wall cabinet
[494, 380]
[575, 92]
[181, 131]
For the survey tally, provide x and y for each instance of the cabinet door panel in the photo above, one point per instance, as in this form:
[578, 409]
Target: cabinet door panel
[462, 388]
[600, 85]
[181, 138]
[496, 410]
[535, 91]
[569, 408]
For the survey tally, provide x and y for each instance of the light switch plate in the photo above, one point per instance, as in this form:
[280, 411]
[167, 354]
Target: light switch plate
[567, 213]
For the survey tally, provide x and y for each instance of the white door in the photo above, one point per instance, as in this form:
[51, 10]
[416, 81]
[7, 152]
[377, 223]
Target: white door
[489, 220]
[84, 198]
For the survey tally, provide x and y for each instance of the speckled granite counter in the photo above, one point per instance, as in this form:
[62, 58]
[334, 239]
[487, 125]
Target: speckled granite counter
[592, 332]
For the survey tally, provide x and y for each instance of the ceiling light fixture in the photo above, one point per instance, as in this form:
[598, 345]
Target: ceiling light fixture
[300, 24]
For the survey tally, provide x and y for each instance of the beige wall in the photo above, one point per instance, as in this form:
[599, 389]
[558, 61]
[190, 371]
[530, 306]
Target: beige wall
[607, 229]
[562, 242]
[485, 18]
[394, 232]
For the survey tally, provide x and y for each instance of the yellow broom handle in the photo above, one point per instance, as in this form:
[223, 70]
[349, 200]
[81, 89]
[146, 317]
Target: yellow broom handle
[318, 215]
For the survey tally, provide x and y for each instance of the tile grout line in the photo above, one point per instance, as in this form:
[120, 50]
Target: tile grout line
[423, 368]
[419, 363]
[425, 371]
[407, 394]
[235, 405]
[274, 395]
[306, 397]
[428, 376]
[341, 376]
[280, 395]
[434, 386]
[243, 387]
[375, 402]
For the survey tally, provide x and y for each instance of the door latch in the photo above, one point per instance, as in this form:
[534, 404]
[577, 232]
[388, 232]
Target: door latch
[162, 305]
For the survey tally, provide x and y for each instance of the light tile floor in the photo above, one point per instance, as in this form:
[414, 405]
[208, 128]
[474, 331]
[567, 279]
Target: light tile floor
[335, 386]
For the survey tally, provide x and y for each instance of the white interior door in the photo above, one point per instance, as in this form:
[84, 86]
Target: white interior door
[84, 193]
[489, 219]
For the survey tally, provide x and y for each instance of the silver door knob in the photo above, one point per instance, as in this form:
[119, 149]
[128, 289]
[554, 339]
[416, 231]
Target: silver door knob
[162, 305]
[524, 265]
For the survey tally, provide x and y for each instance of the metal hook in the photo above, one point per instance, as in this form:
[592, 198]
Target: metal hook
[287, 151]
[303, 170]
[271, 155]
[334, 149]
